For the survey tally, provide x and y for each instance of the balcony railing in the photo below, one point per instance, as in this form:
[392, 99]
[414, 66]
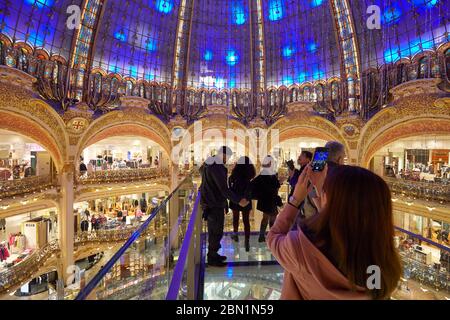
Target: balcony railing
[24, 270]
[429, 191]
[26, 186]
[123, 175]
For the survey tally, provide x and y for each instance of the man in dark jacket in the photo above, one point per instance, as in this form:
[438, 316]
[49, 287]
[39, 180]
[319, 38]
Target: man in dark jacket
[214, 194]
[303, 160]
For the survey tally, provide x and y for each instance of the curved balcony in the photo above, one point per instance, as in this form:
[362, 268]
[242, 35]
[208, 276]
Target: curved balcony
[122, 175]
[26, 186]
[24, 270]
[429, 191]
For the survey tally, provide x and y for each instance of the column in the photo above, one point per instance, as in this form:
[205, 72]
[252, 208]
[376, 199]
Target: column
[66, 220]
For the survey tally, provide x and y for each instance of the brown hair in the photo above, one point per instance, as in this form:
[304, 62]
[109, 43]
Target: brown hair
[355, 230]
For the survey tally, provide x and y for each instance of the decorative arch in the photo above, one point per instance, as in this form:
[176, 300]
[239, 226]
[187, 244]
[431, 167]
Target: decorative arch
[302, 125]
[410, 128]
[418, 115]
[29, 128]
[131, 122]
[21, 112]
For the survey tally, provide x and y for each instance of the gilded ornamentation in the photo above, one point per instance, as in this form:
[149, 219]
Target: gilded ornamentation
[77, 125]
[405, 110]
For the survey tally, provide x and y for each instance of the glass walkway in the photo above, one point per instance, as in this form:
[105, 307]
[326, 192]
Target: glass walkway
[165, 259]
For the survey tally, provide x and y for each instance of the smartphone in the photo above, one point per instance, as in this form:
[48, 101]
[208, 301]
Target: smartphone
[320, 159]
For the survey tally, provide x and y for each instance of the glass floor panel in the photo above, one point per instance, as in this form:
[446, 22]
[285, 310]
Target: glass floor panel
[259, 282]
[235, 251]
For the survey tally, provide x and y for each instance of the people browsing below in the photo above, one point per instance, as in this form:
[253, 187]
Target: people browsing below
[83, 168]
[336, 157]
[239, 182]
[214, 194]
[264, 188]
[329, 256]
[303, 160]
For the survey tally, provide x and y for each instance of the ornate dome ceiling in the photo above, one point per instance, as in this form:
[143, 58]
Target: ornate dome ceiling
[228, 43]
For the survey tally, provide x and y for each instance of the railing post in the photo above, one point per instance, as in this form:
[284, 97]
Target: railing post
[193, 258]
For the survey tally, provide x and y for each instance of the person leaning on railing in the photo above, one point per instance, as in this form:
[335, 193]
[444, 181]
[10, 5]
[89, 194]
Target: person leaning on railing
[331, 254]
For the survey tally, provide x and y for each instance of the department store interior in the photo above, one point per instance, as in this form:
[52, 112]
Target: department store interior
[105, 129]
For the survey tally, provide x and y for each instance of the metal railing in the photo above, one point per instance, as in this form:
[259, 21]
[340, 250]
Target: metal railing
[26, 268]
[187, 267]
[429, 191]
[25, 186]
[31, 264]
[147, 244]
[123, 175]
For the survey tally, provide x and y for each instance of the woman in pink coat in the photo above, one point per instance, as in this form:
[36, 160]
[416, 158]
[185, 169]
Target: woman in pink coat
[333, 254]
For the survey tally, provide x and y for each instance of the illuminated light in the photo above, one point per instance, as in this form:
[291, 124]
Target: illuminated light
[394, 199]
[123, 188]
[151, 45]
[391, 56]
[119, 35]
[208, 55]
[288, 51]
[311, 46]
[232, 58]
[149, 76]
[40, 3]
[36, 40]
[430, 208]
[109, 188]
[316, 3]
[287, 81]
[219, 83]
[238, 14]
[391, 15]
[318, 74]
[164, 6]
[96, 190]
[276, 10]
[302, 76]
[230, 272]
[425, 4]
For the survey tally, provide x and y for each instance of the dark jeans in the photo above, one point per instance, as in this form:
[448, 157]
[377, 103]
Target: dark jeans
[215, 218]
[268, 219]
[245, 219]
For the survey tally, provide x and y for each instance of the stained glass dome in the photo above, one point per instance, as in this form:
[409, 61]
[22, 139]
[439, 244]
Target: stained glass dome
[233, 44]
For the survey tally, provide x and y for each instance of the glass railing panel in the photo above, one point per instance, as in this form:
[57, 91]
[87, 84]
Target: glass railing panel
[185, 282]
[252, 282]
[143, 267]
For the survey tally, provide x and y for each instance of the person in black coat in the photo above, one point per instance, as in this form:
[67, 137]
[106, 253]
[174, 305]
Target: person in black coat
[214, 193]
[239, 182]
[265, 188]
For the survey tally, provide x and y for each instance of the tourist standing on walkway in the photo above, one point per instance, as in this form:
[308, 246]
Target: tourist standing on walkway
[239, 183]
[265, 188]
[214, 194]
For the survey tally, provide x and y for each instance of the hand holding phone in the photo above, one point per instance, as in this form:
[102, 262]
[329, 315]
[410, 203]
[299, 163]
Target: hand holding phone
[320, 159]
